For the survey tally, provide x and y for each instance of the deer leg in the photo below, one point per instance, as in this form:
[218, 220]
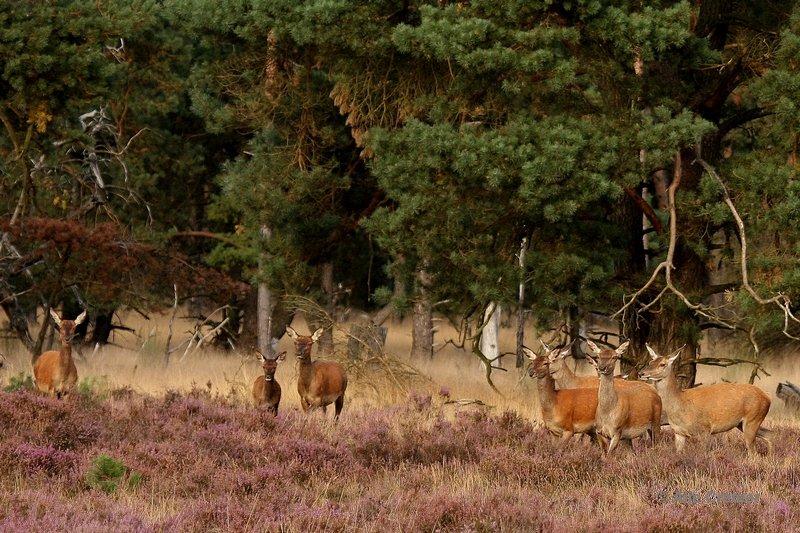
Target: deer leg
[750, 430]
[680, 441]
[324, 410]
[613, 444]
[304, 404]
[565, 436]
[338, 406]
[601, 441]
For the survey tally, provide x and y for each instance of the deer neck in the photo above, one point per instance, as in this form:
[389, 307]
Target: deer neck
[306, 370]
[66, 354]
[606, 393]
[547, 395]
[671, 394]
[565, 377]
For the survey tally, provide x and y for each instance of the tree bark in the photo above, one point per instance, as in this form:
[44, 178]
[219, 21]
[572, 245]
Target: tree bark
[422, 330]
[523, 248]
[490, 336]
[325, 343]
[265, 304]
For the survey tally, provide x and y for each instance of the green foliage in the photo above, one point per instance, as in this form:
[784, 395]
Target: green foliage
[108, 474]
[387, 138]
[96, 387]
[21, 381]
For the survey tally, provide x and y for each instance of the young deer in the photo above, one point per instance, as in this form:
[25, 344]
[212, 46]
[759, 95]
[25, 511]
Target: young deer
[54, 371]
[267, 391]
[623, 411]
[708, 409]
[321, 382]
[564, 412]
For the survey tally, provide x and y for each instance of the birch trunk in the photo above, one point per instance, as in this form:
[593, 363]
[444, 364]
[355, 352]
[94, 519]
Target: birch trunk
[490, 337]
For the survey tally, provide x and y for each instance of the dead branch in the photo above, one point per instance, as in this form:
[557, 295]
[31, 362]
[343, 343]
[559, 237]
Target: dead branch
[780, 300]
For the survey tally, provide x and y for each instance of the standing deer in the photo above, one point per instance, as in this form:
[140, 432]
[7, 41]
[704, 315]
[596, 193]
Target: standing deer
[54, 371]
[565, 412]
[623, 411]
[708, 409]
[566, 378]
[267, 391]
[321, 382]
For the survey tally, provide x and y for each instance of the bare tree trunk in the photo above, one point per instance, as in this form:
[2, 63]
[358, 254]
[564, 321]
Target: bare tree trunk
[325, 343]
[422, 332]
[490, 337]
[264, 305]
[523, 248]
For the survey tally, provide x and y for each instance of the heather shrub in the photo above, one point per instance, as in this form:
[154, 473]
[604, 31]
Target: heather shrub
[108, 474]
[46, 459]
[209, 465]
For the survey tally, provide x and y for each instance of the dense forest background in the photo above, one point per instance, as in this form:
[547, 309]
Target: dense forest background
[567, 160]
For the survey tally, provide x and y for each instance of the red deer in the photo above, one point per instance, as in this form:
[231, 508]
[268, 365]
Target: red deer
[267, 391]
[320, 382]
[708, 409]
[564, 412]
[54, 371]
[623, 411]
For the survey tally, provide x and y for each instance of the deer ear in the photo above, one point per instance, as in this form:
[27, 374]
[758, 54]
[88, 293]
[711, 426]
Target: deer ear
[591, 360]
[592, 346]
[281, 356]
[55, 317]
[261, 356]
[652, 352]
[677, 354]
[81, 318]
[544, 345]
[622, 348]
[529, 353]
[292, 333]
[317, 334]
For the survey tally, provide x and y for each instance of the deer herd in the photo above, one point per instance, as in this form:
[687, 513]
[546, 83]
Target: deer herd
[614, 410]
[610, 409]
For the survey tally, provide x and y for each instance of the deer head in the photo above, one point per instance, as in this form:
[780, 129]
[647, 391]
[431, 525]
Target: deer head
[270, 365]
[605, 360]
[540, 364]
[660, 365]
[303, 343]
[66, 328]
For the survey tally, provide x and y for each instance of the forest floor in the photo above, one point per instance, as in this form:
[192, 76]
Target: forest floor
[145, 448]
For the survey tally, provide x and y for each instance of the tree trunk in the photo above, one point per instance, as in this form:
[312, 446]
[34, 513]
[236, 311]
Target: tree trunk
[18, 322]
[523, 248]
[422, 331]
[325, 343]
[490, 336]
[103, 325]
[264, 305]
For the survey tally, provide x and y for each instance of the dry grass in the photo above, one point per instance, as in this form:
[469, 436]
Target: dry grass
[133, 363]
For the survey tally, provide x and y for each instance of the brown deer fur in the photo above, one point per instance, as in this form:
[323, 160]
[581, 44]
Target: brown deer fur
[564, 412]
[623, 412]
[267, 391]
[320, 382]
[54, 371]
[708, 409]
